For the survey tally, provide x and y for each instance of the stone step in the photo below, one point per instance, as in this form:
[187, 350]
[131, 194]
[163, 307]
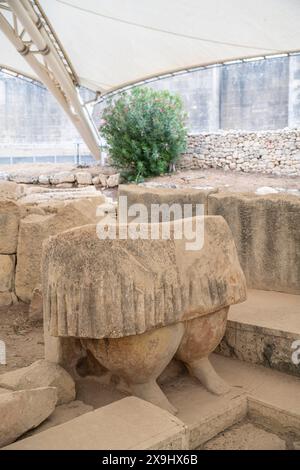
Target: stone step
[265, 330]
[265, 397]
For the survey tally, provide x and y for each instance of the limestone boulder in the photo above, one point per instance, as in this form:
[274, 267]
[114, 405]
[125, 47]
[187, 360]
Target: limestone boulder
[24, 178]
[9, 226]
[41, 374]
[266, 231]
[34, 229]
[7, 272]
[137, 194]
[113, 180]
[11, 190]
[24, 410]
[84, 178]
[44, 179]
[129, 286]
[6, 299]
[62, 177]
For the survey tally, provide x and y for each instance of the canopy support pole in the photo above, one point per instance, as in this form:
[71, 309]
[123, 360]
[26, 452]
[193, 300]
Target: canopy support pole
[40, 52]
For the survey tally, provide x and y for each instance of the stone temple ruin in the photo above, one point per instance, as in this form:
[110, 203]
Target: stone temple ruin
[130, 325]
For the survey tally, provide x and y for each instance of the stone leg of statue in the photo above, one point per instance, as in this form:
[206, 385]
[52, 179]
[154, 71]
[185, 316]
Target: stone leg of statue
[202, 335]
[140, 359]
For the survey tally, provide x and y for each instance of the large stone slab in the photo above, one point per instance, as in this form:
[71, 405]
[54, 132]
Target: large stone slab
[35, 228]
[128, 287]
[263, 331]
[266, 231]
[24, 410]
[41, 374]
[7, 272]
[128, 424]
[10, 190]
[137, 194]
[9, 226]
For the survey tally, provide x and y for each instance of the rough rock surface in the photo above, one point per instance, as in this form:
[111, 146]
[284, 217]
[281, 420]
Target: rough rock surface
[127, 287]
[63, 177]
[266, 231]
[41, 374]
[84, 177]
[138, 194]
[34, 229]
[9, 226]
[7, 272]
[24, 410]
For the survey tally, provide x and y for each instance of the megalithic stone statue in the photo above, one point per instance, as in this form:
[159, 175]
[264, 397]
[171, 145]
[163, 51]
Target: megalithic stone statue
[136, 304]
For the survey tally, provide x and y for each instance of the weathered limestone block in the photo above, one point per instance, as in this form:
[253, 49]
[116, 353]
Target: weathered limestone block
[24, 178]
[143, 195]
[10, 190]
[266, 230]
[6, 299]
[9, 226]
[34, 229]
[7, 272]
[41, 374]
[84, 178]
[24, 410]
[136, 303]
[128, 287]
[62, 177]
[113, 180]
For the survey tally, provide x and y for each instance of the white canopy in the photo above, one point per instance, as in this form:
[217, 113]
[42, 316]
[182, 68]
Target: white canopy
[111, 43]
[108, 44]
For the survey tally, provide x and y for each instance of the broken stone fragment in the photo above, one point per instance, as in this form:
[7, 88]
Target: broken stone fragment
[44, 179]
[103, 180]
[113, 180]
[7, 269]
[96, 180]
[62, 177]
[24, 410]
[41, 374]
[84, 178]
[24, 178]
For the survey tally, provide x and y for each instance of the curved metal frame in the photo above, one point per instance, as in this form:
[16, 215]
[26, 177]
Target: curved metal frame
[44, 55]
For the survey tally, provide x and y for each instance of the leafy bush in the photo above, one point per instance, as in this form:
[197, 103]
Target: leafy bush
[145, 131]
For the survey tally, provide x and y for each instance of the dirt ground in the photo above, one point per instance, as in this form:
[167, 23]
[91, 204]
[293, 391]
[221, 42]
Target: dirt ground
[224, 180]
[229, 180]
[23, 338]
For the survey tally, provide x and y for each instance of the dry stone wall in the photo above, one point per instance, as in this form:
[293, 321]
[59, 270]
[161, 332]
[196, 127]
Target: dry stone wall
[268, 152]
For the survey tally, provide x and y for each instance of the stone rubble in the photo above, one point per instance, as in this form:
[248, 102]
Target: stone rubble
[63, 179]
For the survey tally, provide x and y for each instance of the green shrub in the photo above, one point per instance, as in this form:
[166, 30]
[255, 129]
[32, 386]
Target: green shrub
[145, 131]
